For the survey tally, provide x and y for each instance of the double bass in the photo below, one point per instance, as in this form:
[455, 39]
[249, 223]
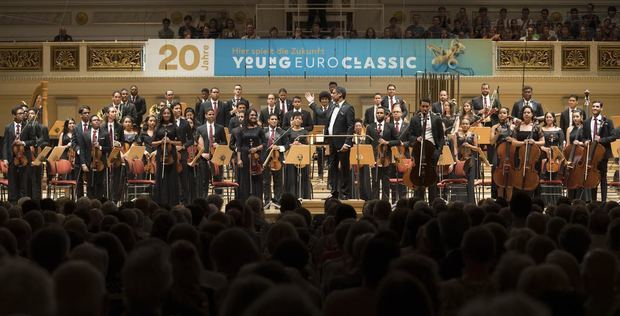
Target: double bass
[595, 153]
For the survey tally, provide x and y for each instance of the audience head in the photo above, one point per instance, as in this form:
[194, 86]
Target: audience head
[26, 289]
[76, 279]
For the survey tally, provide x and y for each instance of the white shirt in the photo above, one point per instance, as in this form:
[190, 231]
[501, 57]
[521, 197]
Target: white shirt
[599, 119]
[374, 112]
[380, 129]
[400, 124]
[215, 105]
[20, 128]
[210, 127]
[428, 133]
[486, 101]
[111, 128]
[332, 119]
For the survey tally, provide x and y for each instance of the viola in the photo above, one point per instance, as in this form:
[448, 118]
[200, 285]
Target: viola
[383, 159]
[19, 155]
[151, 164]
[275, 164]
[71, 155]
[256, 168]
[525, 176]
[96, 155]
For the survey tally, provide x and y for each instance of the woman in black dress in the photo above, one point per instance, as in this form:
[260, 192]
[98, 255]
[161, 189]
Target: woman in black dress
[249, 140]
[464, 142]
[554, 137]
[146, 139]
[292, 174]
[68, 138]
[193, 169]
[166, 177]
[362, 190]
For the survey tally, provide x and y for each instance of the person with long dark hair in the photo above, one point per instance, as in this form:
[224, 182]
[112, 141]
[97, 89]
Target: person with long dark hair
[68, 138]
[166, 177]
[249, 141]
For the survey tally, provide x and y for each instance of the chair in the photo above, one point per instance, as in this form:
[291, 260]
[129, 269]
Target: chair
[59, 171]
[551, 190]
[135, 168]
[224, 185]
[4, 182]
[456, 188]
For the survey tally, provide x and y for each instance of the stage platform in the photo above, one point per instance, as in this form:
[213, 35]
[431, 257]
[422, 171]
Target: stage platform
[316, 207]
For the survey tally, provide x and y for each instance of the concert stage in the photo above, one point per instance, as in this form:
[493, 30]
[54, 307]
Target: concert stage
[316, 207]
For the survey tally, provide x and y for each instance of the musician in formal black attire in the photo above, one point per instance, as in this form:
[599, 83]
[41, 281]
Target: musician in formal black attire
[166, 178]
[341, 120]
[236, 120]
[307, 122]
[381, 133]
[127, 108]
[16, 134]
[483, 103]
[566, 118]
[184, 136]
[95, 137]
[115, 134]
[42, 140]
[283, 103]
[437, 107]
[517, 108]
[598, 128]
[320, 112]
[249, 140]
[82, 127]
[202, 104]
[369, 114]
[210, 135]
[391, 98]
[434, 133]
[139, 102]
[231, 107]
[401, 128]
[270, 109]
[272, 142]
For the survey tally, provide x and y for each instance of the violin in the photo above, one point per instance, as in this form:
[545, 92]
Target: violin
[71, 154]
[167, 158]
[525, 176]
[502, 177]
[151, 165]
[275, 163]
[256, 168]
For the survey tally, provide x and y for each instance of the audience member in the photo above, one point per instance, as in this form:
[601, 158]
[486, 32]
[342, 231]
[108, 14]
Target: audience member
[166, 31]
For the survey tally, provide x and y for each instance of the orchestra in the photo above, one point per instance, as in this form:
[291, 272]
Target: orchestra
[527, 148]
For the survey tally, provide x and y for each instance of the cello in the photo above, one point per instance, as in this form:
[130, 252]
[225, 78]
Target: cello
[503, 172]
[573, 172]
[422, 173]
[525, 176]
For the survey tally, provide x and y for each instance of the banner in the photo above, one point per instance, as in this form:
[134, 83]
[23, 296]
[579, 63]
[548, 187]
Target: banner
[331, 58]
[352, 57]
[180, 58]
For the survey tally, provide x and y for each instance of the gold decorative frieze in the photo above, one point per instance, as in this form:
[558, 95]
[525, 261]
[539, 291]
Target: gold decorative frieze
[114, 58]
[65, 58]
[21, 59]
[536, 58]
[575, 58]
[609, 57]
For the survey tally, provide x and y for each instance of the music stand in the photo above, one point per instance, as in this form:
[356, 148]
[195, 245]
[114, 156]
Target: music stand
[135, 152]
[221, 155]
[616, 120]
[361, 155]
[299, 156]
[196, 157]
[484, 134]
[56, 129]
[42, 155]
[115, 153]
[56, 153]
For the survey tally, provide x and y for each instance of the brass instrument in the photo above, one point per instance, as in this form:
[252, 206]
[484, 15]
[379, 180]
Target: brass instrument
[154, 110]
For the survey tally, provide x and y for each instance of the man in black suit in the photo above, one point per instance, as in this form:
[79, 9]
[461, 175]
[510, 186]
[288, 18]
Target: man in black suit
[437, 107]
[382, 133]
[517, 108]
[139, 102]
[307, 122]
[401, 128]
[169, 98]
[483, 104]
[320, 118]
[598, 128]
[42, 140]
[202, 104]
[284, 104]
[272, 135]
[427, 126]
[115, 133]
[391, 98]
[341, 120]
[17, 133]
[566, 118]
[97, 137]
[222, 109]
[233, 102]
[369, 114]
[127, 108]
[270, 109]
[210, 135]
[186, 139]
[235, 121]
[82, 127]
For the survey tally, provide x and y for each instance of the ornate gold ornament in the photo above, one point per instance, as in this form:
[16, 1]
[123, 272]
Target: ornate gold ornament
[114, 58]
[534, 58]
[609, 57]
[575, 58]
[65, 58]
[21, 59]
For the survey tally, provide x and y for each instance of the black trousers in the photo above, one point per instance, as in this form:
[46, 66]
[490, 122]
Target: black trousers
[602, 168]
[96, 188]
[340, 173]
[268, 176]
[18, 182]
[381, 182]
[34, 184]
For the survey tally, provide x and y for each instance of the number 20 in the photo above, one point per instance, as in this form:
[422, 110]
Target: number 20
[166, 63]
